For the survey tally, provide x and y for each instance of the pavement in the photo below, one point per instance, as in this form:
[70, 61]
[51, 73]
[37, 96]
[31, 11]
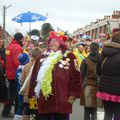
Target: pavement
[78, 112]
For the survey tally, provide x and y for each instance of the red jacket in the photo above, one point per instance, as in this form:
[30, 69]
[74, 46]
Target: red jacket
[65, 83]
[12, 63]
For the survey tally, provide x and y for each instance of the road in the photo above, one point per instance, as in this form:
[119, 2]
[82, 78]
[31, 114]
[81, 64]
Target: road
[78, 112]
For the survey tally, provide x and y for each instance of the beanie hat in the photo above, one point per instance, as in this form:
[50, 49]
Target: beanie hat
[94, 47]
[23, 58]
[18, 36]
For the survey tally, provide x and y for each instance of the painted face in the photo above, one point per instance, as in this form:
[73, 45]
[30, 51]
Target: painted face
[54, 45]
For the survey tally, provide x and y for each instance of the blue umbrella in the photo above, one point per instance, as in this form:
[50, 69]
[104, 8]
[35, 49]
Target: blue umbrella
[29, 17]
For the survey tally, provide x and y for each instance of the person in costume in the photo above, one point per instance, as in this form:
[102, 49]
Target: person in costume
[108, 68]
[23, 59]
[55, 81]
[80, 53]
[88, 71]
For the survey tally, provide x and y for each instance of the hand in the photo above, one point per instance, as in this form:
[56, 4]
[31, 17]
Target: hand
[5, 75]
[71, 99]
[26, 99]
[21, 92]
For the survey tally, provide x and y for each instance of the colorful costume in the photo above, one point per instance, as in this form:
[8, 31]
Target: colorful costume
[57, 80]
[80, 56]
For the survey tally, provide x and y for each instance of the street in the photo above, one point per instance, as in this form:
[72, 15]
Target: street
[78, 113]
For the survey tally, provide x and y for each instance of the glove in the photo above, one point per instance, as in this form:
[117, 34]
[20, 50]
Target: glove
[71, 99]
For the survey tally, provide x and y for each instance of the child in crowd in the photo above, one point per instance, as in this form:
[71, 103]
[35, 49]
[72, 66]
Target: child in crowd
[26, 74]
[23, 59]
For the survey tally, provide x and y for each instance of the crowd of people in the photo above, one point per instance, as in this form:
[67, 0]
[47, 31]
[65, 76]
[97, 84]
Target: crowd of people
[43, 83]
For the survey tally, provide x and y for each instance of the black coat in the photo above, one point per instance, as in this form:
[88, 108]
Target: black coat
[89, 90]
[3, 86]
[110, 71]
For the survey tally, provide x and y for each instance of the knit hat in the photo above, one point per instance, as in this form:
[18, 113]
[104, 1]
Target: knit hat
[23, 58]
[18, 36]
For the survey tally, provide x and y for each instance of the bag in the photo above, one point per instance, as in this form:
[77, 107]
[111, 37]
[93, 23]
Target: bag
[33, 105]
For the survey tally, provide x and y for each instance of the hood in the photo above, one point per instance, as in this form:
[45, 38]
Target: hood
[94, 56]
[111, 48]
[14, 41]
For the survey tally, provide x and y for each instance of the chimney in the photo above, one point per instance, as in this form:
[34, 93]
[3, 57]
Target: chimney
[107, 17]
[116, 15]
[99, 20]
[114, 12]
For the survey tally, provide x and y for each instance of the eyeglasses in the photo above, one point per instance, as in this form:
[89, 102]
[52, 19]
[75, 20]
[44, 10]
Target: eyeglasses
[53, 40]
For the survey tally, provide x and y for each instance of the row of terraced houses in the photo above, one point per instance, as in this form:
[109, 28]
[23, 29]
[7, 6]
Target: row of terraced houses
[100, 26]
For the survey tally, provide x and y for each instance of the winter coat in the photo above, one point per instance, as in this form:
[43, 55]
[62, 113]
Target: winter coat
[12, 63]
[3, 85]
[26, 71]
[2, 53]
[88, 71]
[25, 87]
[18, 77]
[110, 72]
[65, 83]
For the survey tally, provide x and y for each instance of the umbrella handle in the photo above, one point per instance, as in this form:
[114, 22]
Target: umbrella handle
[29, 27]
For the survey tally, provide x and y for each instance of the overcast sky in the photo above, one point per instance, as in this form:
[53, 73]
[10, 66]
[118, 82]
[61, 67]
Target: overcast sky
[65, 14]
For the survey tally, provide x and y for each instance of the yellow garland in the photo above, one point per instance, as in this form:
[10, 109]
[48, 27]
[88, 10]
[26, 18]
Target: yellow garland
[46, 84]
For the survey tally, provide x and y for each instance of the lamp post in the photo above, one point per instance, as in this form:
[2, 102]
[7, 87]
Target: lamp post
[4, 18]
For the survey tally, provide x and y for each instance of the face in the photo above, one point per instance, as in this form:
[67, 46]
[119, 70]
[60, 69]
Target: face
[80, 48]
[35, 43]
[54, 45]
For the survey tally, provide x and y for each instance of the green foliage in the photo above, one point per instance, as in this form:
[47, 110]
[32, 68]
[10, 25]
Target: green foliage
[46, 28]
[35, 32]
